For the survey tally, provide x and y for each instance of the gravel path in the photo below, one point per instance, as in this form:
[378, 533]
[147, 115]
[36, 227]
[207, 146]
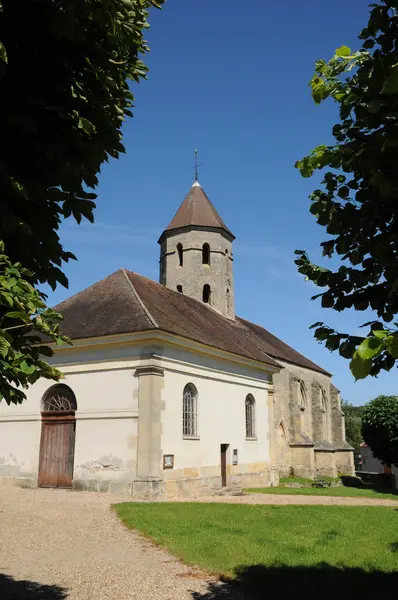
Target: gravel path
[57, 544]
[73, 543]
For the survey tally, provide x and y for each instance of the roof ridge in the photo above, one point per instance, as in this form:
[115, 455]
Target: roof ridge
[136, 295]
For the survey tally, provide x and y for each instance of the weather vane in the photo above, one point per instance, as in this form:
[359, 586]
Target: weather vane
[197, 165]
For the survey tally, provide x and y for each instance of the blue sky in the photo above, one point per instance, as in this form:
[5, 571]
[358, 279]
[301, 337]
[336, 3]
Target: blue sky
[231, 79]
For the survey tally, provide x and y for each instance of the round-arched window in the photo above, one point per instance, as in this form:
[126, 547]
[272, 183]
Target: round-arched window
[206, 294]
[59, 398]
[189, 411]
[206, 254]
[250, 407]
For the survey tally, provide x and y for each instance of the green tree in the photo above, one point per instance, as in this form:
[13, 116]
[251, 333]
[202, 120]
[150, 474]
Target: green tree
[64, 73]
[380, 428]
[357, 203]
[24, 322]
[353, 423]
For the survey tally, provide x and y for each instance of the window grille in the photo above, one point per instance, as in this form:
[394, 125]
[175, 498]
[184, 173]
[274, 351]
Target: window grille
[250, 416]
[59, 398]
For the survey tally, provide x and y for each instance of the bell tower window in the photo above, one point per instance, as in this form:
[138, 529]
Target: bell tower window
[180, 255]
[206, 293]
[206, 254]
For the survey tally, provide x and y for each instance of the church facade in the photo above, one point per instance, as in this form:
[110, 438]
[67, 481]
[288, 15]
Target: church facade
[167, 391]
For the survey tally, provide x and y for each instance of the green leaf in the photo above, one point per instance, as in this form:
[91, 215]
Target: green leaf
[3, 53]
[380, 333]
[370, 347]
[343, 51]
[360, 367]
[332, 342]
[4, 346]
[17, 314]
[347, 349]
[7, 299]
[391, 84]
[26, 368]
[86, 125]
[392, 345]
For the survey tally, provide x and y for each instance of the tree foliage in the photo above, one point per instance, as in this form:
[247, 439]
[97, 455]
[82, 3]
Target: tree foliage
[353, 423]
[23, 315]
[357, 203]
[380, 428]
[64, 73]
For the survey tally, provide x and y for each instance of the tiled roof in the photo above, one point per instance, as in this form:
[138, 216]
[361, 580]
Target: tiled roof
[126, 302]
[197, 210]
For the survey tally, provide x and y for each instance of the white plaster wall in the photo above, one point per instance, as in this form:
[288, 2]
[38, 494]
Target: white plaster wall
[106, 449]
[19, 447]
[106, 419]
[221, 413]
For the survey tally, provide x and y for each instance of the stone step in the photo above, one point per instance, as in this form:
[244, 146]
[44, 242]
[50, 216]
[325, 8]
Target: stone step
[229, 491]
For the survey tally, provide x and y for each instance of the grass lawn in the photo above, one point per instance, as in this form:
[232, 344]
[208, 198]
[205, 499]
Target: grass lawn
[275, 541]
[332, 491]
[301, 480]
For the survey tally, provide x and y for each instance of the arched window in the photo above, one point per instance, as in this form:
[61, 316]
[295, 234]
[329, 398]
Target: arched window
[250, 405]
[179, 288]
[325, 414]
[59, 398]
[323, 399]
[189, 411]
[206, 293]
[206, 254]
[302, 395]
[180, 255]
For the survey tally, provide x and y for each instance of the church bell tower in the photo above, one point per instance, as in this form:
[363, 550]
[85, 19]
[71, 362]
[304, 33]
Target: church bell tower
[196, 254]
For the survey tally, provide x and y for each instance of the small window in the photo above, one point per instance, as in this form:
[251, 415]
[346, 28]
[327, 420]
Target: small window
[206, 254]
[206, 293]
[179, 288]
[250, 405]
[180, 255]
[189, 411]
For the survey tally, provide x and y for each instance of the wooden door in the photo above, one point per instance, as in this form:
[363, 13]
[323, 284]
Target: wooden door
[57, 448]
[224, 448]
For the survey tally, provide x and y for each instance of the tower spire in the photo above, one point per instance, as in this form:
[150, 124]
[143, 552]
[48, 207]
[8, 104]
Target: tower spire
[197, 165]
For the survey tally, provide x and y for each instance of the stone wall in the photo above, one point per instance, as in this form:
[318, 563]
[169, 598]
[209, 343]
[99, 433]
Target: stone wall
[325, 463]
[314, 424]
[193, 274]
[303, 461]
[345, 461]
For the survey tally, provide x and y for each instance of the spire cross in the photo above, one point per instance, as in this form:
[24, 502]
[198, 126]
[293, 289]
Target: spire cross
[197, 165]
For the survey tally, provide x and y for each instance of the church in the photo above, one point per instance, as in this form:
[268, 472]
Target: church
[166, 391]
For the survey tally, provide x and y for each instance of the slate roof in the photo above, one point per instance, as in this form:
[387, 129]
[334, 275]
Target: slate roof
[126, 302]
[197, 210]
